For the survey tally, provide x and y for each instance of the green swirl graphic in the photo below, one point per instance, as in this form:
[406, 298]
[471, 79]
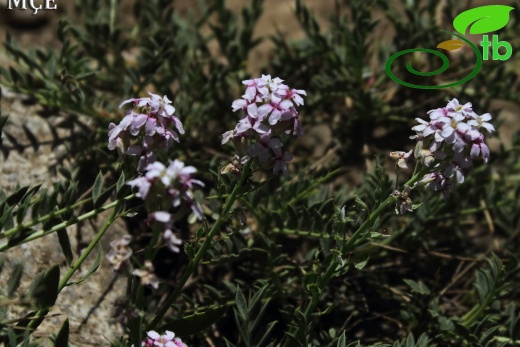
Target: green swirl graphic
[445, 65]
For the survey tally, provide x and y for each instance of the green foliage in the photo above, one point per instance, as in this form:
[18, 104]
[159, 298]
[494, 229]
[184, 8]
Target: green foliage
[423, 341]
[45, 287]
[92, 269]
[249, 314]
[195, 323]
[319, 258]
[62, 339]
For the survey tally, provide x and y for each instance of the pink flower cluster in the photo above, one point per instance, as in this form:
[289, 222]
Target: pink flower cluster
[269, 113]
[448, 143]
[151, 120]
[166, 340]
[167, 192]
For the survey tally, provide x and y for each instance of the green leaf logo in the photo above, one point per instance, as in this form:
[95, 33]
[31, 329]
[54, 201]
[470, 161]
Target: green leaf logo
[483, 19]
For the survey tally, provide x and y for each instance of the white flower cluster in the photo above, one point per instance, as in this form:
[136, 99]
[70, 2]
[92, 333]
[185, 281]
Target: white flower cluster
[150, 119]
[269, 110]
[448, 143]
[166, 191]
[154, 339]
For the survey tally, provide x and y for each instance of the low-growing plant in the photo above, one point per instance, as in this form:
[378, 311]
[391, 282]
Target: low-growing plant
[237, 235]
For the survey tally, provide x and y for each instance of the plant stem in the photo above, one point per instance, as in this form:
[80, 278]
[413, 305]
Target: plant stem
[74, 267]
[153, 247]
[112, 19]
[358, 235]
[40, 233]
[45, 218]
[193, 263]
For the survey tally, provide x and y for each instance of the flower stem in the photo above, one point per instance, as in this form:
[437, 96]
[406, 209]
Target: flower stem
[358, 235]
[193, 263]
[469, 318]
[74, 267]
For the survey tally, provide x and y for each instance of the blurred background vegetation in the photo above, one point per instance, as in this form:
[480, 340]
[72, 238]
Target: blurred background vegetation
[437, 263]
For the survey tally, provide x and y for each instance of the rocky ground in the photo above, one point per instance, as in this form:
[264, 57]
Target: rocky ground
[88, 306]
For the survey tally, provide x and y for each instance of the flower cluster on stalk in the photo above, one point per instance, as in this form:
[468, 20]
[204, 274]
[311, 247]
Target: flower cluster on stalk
[448, 143]
[154, 339]
[168, 194]
[270, 114]
[152, 121]
[166, 190]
